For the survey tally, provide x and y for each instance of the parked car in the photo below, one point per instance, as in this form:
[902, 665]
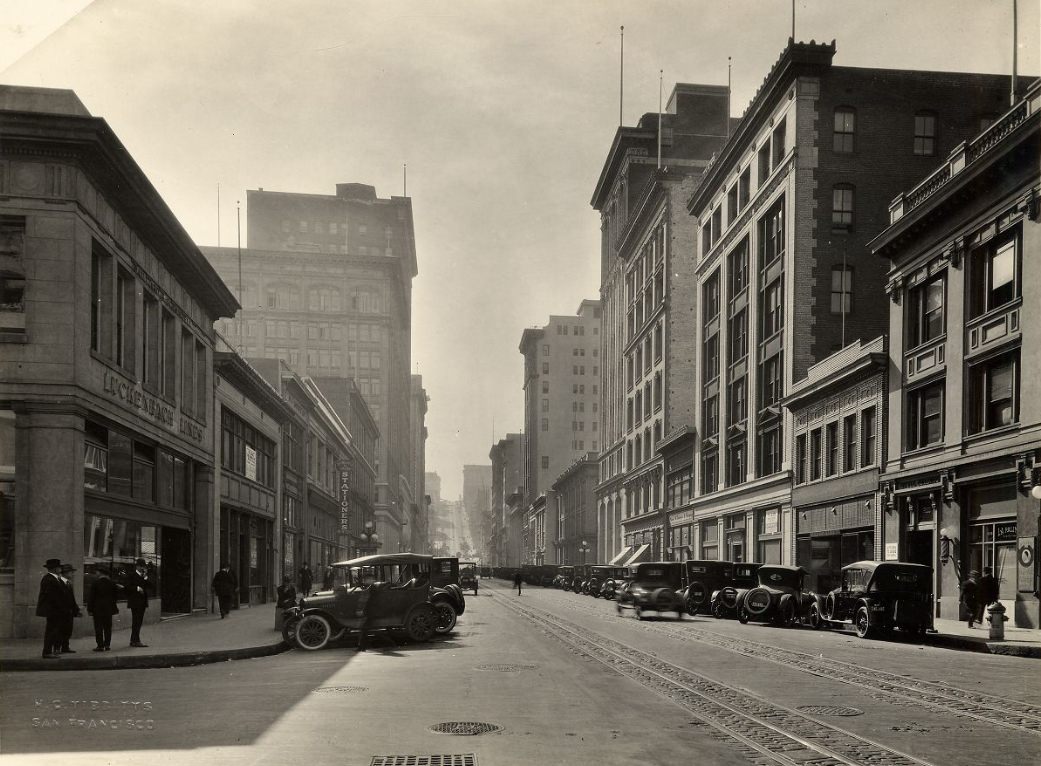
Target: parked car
[468, 576]
[598, 573]
[742, 577]
[656, 586]
[412, 606]
[614, 581]
[566, 574]
[877, 596]
[581, 580]
[778, 598]
[704, 578]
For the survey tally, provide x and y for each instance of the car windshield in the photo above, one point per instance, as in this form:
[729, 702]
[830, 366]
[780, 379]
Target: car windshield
[779, 578]
[901, 579]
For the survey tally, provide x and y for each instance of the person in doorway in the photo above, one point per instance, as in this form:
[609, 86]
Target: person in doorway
[51, 604]
[328, 578]
[970, 596]
[988, 592]
[306, 580]
[101, 605]
[224, 586]
[517, 582]
[72, 609]
[137, 600]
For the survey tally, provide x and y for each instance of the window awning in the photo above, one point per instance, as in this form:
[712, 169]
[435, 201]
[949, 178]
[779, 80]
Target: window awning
[617, 560]
[641, 554]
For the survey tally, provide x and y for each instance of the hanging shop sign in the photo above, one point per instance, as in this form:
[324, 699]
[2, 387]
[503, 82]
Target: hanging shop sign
[345, 499]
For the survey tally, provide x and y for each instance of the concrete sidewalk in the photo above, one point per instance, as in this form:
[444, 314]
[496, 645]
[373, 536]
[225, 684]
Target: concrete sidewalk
[1018, 642]
[183, 641]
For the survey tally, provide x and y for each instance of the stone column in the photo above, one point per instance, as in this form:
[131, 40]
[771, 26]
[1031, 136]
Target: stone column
[205, 535]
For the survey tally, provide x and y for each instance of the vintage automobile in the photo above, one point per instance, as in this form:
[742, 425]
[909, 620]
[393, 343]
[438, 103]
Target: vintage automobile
[398, 597]
[877, 596]
[566, 574]
[778, 598]
[656, 586]
[614, 578]
[741, 577]
[468, 579]
[581, 581]
[704, 578]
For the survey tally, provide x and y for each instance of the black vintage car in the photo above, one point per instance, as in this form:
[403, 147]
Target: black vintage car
[656, 586]
[877, 596]
[394, 590]
[778, 598]
[565, 576]
[614, 580]
[581, 581]
[468, 576]
[703, 579]
[742, 577]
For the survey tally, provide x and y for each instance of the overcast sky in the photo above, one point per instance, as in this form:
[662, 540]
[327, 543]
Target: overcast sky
[503, 110]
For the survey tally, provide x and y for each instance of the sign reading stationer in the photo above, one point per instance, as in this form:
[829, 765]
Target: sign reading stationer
[345, 499]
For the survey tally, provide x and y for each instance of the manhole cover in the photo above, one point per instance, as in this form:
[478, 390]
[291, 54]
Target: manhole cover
[830, 710]
[507, 668]
[464, 728]
[340, 689]
[440, 759]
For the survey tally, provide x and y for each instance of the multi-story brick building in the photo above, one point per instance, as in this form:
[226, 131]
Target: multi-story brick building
[561, 394]
[963, 475]
[838, 413]
[573, 512]
[326, 284]
[648, 297]
[504, 546]
[785, 212]
[106, 349]
[419, 531]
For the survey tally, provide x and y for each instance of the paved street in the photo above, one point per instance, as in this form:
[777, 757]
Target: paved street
[567, 680]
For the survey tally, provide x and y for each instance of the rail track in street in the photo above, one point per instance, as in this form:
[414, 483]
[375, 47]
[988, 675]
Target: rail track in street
[893, 687]
[769, 734]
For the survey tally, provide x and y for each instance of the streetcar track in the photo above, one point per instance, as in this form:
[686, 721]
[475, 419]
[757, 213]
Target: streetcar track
[761, 727]
[964, 703]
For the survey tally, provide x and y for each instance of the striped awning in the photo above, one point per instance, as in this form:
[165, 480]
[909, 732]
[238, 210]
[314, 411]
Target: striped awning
[622, 556]
[641, 554]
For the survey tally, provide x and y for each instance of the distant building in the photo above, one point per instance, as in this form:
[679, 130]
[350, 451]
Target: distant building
[963, 468]
[572, 516]
[477, 500]
[418, 532]
[326, 285]
[505, 539]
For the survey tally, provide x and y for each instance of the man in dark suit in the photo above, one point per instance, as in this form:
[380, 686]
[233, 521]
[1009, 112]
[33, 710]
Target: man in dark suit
[137, 600]
[51, 604]
[224, 585]
[101, 605]
[72, 609]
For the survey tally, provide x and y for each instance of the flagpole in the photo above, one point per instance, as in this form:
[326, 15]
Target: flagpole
[1015, 51]
[621, 73]
[404, 179]
[793, 22]
[661, 73]
[218, 215]
[727, 116]
[242, 298]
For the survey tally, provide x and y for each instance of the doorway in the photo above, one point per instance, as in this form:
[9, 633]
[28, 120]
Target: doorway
[920, 547]
[175, 583]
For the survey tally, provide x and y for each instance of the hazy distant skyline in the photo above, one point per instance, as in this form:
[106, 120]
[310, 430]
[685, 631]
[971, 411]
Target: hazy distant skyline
[504, 113]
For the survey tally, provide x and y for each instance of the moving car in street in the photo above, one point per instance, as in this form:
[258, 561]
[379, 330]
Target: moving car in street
[468, 576]
[778, 598]
[877, 596]
[656, 586]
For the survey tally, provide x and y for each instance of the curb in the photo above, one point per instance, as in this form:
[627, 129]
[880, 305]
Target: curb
[984, 646]
[142, 661]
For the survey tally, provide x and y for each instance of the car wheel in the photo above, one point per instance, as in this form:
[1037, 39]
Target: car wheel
[421, 623]
[787, 617]
[742, 616]
[289, 630]
[862, 623]
[446, 618]
[313, 632]
[717, 611]
[815, 619]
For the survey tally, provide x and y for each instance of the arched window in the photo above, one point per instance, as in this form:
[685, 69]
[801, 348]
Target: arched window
[845, 129]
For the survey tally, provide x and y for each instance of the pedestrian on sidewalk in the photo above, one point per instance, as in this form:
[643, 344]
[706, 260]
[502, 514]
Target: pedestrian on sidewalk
[224, 585]
[51, 605]
[72, 609]
[286, 593]
[306, 580]
[988, 592]
[101, 605]
[517, 581]
[137, 600]
[329, 578]
[970, 594]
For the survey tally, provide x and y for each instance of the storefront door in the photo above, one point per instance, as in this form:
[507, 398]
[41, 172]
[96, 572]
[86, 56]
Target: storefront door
[175, 585]
[920, 547]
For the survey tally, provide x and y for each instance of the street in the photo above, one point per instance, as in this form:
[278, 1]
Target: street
[558, 678]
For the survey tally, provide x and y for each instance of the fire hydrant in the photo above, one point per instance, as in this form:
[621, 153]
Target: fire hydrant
[997, 619]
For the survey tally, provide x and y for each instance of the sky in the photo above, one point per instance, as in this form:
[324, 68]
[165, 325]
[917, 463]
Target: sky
[503, 110]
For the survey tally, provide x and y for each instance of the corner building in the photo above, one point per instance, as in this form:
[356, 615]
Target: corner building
[106, 359]
[783, 272]
[962, 484]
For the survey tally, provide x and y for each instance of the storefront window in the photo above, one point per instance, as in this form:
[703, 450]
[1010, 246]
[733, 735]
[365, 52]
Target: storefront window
[112, 545]
[709, 541]
[993, 544]
[6, 526]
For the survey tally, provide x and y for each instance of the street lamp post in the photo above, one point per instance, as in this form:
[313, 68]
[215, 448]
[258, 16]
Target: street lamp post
[370, 540]
[584, 548]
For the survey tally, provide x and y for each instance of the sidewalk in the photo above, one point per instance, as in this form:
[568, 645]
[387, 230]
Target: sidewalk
[1019, 642]
[195, 640]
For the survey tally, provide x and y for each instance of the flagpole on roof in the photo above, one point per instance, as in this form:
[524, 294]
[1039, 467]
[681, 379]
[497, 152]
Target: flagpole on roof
[1015, 51]
[661, 73]
[621, 72]
[727, 116]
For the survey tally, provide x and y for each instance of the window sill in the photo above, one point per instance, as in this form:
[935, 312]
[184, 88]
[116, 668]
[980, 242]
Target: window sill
[13, 336]
[998, 431]
[922, 451]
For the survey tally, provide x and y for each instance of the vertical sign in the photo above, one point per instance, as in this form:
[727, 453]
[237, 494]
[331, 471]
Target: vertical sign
[345, 498]
[251, 463]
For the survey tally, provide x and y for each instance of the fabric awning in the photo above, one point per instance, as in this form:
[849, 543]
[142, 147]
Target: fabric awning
[640, 555]
[617, 560]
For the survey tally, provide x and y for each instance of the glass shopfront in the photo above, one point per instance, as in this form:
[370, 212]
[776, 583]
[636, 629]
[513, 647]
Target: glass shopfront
[992, 535]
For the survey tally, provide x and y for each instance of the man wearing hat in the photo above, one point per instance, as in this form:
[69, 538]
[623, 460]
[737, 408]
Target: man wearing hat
[71, 611]
[137, 600]
[51, 604]
[101, 605]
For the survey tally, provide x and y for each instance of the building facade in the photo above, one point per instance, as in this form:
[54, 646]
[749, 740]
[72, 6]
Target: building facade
[573, 513]
[419, 521]
[964, 436]
[106, 377]
[648, 297]
[507, 493]
[326, 285]
[784, 213]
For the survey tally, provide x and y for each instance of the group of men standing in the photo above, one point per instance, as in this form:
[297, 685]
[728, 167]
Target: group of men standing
[58, 605]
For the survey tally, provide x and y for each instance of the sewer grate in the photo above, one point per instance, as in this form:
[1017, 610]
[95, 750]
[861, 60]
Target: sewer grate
[440, 759]
[830, 710]
[465, 728]
[507, 668]
[340, 689]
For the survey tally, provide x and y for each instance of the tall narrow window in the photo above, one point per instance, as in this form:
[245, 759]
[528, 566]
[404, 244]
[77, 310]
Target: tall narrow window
[101, 302]
[800, 459]
[200, 381]
[842, 206]
[868, 424]
[125, 302]
[187, 371]
[763, 163]
[994, 275]
[737, 400]
[925, 416]
[731, 204]
[816, 455]
[925, 134]
[845, 124]
[743, 189]
[771, 235]
[151, 340]
[925, 309]
[737, 268]
[772, 309]
[832, 464]
[738, 332]
[779, 147]
[841, 289]
[735, 461]
[849, 443]
[993, 393]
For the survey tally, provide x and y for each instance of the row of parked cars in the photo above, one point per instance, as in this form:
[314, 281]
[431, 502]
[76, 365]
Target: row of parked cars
[873, 597]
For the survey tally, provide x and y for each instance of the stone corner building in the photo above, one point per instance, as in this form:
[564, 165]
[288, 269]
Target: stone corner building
[106, 390]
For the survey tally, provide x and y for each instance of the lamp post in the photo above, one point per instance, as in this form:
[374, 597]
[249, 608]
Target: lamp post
[370, 540]
[583, 547]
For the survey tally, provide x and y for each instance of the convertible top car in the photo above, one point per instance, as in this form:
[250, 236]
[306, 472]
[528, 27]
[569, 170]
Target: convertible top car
[877, 596]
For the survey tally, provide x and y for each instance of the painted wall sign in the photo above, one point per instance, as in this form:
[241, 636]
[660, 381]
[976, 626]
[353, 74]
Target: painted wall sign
[144, 404]
[251, 463]
[345, 499]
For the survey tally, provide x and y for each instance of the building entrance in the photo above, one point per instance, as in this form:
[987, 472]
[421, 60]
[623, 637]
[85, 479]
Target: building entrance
[175, 586]
[920, 547]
